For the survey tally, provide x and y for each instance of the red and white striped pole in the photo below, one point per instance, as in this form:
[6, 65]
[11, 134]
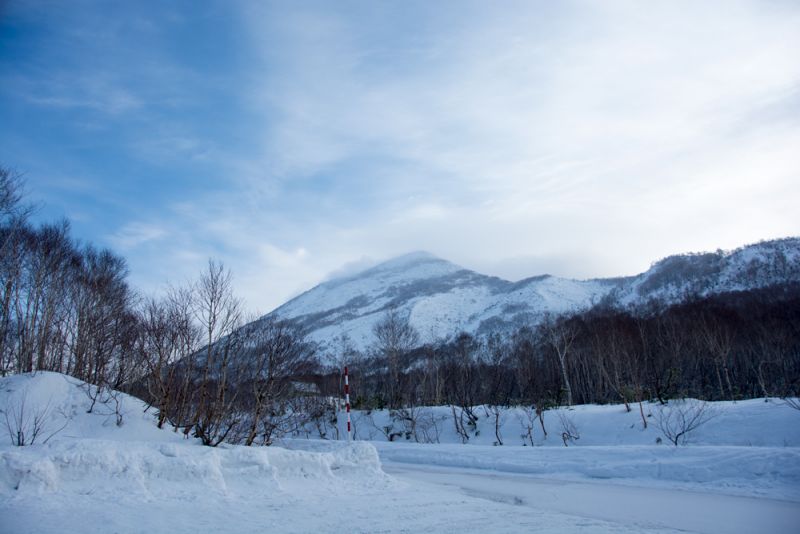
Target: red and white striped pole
[347, 400]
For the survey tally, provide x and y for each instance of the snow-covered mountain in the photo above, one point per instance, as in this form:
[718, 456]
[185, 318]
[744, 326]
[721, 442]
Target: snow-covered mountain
[441, 298]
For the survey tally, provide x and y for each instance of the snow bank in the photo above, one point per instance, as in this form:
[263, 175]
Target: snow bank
[77, 451]
[161, 470]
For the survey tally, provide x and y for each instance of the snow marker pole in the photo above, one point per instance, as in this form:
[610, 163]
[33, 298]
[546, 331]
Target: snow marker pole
[347, 400]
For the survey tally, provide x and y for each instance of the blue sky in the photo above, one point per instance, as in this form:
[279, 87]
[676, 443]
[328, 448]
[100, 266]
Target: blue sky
[290, 139]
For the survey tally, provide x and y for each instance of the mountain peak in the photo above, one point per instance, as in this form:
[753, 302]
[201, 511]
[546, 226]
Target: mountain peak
[398, 264]
[412, 265]
[410, 258]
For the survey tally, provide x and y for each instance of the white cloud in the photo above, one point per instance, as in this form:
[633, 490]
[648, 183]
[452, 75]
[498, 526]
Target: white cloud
[134, 234]
[583, 139]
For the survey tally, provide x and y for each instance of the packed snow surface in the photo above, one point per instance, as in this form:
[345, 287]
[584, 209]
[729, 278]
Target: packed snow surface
[95, 475]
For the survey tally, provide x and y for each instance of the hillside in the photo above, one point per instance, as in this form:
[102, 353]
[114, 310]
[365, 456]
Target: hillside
[673, 279]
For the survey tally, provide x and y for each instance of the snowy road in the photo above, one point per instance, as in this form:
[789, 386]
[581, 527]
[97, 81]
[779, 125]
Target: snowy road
[646, 508]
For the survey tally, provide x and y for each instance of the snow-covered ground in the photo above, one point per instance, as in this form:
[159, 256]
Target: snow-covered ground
[748, 423]
[741, 475]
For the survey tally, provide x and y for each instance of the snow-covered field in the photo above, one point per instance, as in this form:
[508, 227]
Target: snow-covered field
[739, 473]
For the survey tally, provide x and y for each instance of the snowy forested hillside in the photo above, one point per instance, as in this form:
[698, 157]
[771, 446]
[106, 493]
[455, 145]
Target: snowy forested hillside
[440, 298]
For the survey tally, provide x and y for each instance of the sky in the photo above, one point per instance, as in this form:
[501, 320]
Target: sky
[295, 141]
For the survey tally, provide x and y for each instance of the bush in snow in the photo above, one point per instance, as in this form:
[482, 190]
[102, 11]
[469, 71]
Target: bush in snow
[569, 430]
[105, 401]
[680, 418]
[26, 425]
[418, 423]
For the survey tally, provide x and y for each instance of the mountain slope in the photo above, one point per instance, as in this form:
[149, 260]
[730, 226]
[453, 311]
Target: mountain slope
[441, 298]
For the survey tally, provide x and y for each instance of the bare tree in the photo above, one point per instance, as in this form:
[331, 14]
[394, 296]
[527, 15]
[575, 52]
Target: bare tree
[11, 258]
[104, 331]
[168, 339]
[432, 383]
[610, 352]
[278, 354]
[218, 313]
[188, 339]
[525, 361]
[560, 334]
[394, 337]
[13, 213]
[499, 415]
[463, 381]
[39, 291]
[458, 421]
[717, 336]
